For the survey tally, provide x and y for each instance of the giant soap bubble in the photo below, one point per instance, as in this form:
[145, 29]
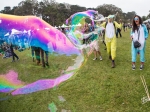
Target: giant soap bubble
[33, 31]
[26, 31]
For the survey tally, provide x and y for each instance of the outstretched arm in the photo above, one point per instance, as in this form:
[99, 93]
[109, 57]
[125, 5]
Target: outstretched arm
[131, 34]
[145, 32]
[118, 25]
[85, 36]
[103, 24]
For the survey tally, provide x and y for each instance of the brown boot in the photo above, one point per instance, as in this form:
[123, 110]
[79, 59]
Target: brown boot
[113, 64]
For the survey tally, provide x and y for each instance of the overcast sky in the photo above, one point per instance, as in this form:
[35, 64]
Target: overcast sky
[141, 7]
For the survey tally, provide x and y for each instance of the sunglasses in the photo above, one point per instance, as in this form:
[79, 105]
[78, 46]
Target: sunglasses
[136, 19]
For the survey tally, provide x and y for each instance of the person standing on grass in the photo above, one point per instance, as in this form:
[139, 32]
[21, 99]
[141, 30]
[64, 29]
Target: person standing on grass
[13, 53]
[37, 55]
[110, 37]
[42, 57]
[124, 27]
[148, 27]
[95, 44]
[33, 52]
[119, 29]
[93, 38]
[139, 33]
[102, 34]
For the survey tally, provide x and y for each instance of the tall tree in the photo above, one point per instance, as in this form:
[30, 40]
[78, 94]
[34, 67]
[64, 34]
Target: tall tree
[27, 7]
[109, 9]
[144, 18]
[130, 15]
[76, 8]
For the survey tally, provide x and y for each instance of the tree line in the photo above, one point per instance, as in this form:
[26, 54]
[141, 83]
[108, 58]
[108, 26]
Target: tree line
[56, 13]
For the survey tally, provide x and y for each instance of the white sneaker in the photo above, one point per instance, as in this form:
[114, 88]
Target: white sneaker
[133, 66]
[141, 67]
[100, 58]
[95, 59]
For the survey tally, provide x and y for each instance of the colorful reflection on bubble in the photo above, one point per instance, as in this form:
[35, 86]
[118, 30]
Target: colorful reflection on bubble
[10, 82]
[78, 22]
[79, 17]
[29, 31]
[26, 31]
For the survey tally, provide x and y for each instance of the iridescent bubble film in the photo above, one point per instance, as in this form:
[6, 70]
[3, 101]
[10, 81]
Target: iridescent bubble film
[26, 31]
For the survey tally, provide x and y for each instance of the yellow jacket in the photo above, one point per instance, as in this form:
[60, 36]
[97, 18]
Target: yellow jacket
[116, 26]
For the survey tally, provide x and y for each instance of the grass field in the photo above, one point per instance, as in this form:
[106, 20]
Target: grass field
[95, 88]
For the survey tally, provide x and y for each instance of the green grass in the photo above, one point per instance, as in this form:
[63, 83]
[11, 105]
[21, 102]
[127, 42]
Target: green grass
[95, 88]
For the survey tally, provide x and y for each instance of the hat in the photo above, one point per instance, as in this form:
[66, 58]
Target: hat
[110, 16]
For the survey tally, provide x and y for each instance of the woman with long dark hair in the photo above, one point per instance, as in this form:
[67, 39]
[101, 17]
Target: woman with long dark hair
[139, 33]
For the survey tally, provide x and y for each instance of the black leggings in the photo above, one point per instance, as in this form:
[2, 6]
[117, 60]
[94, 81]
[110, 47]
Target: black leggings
[14, 55]
[118, 31]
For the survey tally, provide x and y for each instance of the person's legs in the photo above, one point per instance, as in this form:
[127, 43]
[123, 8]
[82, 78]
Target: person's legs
[113, 51]
[113, 48]
[96, 47]
[100, 56]
[42, 57]
[134, 52]
[39, 57]
[126, 28]
[99, 53]
[120, 33]
[32, 52]
[37, 54]
[14, 54]
[13, 57]
[108, 46]
[142, 57]
[95, 54]
[117, 32]
[103, 34]
[46, 56]
[104, 44]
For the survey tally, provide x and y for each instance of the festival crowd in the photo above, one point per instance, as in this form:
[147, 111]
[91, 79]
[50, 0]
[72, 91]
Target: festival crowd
[108, 29]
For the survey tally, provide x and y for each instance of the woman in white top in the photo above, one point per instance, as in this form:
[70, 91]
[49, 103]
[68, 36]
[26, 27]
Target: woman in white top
[139, 33]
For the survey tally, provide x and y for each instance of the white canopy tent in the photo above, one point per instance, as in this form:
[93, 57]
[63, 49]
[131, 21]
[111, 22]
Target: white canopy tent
[63, 26]
[14, 31]
[148, 20]
[7, 34]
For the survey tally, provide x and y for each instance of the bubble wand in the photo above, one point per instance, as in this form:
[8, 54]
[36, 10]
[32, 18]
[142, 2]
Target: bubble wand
[145, 99]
